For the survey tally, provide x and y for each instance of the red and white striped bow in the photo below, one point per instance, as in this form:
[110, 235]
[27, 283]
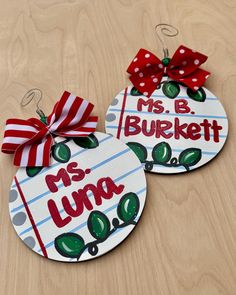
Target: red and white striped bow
[146, 70]
[30, 140]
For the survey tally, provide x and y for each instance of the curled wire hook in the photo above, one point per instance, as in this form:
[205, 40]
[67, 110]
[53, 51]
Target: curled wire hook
[168, 31]
[35, 94]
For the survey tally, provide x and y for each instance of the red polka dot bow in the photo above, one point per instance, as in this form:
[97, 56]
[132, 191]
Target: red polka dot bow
[30, 140]
[146, 70]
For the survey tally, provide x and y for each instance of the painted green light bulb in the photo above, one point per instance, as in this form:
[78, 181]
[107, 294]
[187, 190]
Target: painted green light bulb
[171, 89]
[135, 92]
[88, 142]
[139, 150]
[32, 171]
[199, 95]
[98, 225]
[61, 153]
[128, 207]
[69, 245]
[190, 157]
[161, 152]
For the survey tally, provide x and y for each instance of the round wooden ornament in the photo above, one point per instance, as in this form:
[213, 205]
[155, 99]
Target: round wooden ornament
[84, 204]
[174, 130]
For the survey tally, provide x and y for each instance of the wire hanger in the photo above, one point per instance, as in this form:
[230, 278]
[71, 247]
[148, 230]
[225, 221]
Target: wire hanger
[36, 95]
[167, 30]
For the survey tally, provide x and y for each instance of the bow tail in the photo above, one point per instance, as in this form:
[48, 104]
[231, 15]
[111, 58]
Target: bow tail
[79, 130]
[194, 80]
[147, 84]
[35, 154]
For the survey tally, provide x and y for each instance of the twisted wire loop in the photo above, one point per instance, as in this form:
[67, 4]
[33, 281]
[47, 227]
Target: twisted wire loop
[36, 95]
[166, 30]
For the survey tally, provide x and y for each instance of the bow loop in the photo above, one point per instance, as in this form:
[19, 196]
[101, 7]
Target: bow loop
[184, 62]
[30, 140]
[146, 70]
[18, 132]
[144, 62]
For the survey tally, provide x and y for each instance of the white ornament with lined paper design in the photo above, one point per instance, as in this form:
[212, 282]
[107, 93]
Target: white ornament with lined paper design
[76, 210]
[175, 130]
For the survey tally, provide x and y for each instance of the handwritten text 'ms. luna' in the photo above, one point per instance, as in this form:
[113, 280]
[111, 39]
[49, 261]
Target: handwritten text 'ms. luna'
[104, 188]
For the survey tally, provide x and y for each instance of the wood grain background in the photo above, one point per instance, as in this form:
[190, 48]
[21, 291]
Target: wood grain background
[185, 243]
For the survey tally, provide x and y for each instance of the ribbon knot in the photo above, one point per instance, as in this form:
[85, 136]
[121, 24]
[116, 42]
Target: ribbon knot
[146, 70]
[30, 140]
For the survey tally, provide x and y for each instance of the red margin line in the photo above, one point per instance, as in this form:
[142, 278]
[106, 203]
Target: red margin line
[122, 113]
[31, 218]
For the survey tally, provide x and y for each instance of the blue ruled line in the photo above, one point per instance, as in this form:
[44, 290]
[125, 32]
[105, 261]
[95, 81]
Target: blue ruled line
[169, 114]
[180, 150]
[163, 96]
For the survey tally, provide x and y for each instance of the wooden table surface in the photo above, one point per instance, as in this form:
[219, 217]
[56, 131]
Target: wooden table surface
[185, 242]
